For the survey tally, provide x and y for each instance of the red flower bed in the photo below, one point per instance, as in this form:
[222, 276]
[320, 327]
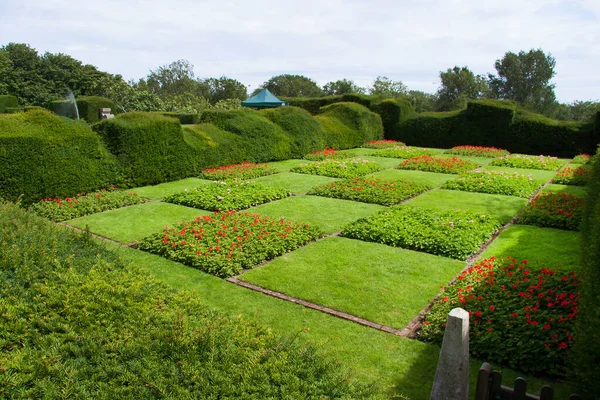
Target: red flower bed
[383, 144]
[554, 210]
[579, 176]
[444, 165]
[245, 170]
[477, 151]
[326, 154]
[519, 316]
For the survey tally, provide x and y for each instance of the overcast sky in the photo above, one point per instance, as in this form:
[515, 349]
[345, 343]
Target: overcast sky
[251, 41]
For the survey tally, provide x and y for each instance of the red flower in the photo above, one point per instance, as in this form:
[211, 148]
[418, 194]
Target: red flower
[492, 308]
[562, 345]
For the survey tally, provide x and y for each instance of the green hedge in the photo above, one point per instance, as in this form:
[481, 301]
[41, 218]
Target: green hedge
[89, 107]
[213, 147]
[586, 354]
[64, 108]
[32, 108]
[393, 112]
[497, 123]
[348, 125]
[43, 155]
[150, 148]
[13, 110]
[184, 118]
[303, 129]
[7, 101]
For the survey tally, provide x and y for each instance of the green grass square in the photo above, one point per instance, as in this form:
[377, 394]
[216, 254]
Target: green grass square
[295, 183]
[373, 281]
[286, 165]
[430, 178]
[133, 223]
[579, 191]
[330, 215]
[160, 191]
[537, 174]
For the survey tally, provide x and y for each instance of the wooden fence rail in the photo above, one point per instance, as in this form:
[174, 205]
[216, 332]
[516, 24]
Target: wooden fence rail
[489, 387]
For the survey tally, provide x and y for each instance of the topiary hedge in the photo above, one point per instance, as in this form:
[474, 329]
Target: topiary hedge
[64, 108]
[43, 155]
[89, 107]
[150, 148]
[393, 112]
[303, 129]
[7, 101]
[586, 355]
[184, 118]
[213, 147]
[347, 125]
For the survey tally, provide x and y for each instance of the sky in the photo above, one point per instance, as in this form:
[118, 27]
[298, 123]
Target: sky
[252, 41]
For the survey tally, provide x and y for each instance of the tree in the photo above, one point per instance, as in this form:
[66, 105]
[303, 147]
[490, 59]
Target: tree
[525, 78]
[342, 86]
[385, 87]
[581, 111]
[292, 86]
[224, 88]
[460, 84]
[24, 79]
[175, 79]
[421, 101]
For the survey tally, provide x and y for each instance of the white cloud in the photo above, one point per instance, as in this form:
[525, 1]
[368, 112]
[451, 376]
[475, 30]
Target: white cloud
[252, 41]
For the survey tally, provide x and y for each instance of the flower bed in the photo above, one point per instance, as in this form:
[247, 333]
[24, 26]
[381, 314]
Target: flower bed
[519, 317]
[327, 154]
[371, 190]
[228, 195]
[495, 182]
[583, 159]
[578, 176]
[524, 161]
[443, 165]
[446, 233]
[58, 209]
[554, 210]
[339, 169]
[477, 151]
[245, 170]
[403, 152]
[225, 243]
[382, 144]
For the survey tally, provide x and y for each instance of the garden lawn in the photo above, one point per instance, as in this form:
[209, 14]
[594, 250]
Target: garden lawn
[547, 246]
[133, 223]
[579, 191]
[295, 183]
[431, 178]
[286, 165]
[159, 192]
[536, 174]
[330, 215]
[373, 281]
[385, 162]
[501, 207]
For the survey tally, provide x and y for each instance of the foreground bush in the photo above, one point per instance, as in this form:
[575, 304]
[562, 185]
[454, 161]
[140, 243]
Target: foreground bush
[445, 233]
[339, 169]
[227, 242]
[524, 161]
[245, 170]
[495, 182]
[371, 190]
[77, 322]
[443, 165]
[477, 151]
[58, 209]
[520, 317]
[227, 195]
[579, 176]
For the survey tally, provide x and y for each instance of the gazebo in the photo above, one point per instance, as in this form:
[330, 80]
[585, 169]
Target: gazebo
[264, 99]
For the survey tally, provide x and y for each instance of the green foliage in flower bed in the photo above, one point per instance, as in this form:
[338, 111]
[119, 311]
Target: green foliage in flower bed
[519, 317]
[553, 210]
[339, 169]
[477, 151]
[227, 242]
[577, 176]
[371, 190]
[227, 195]
[245, 170]
[494, 182]
[383, 144]
[79, 322]
[327, 154]
[525, 161]
[445, 165]
[455, 234]
[403, 152]
[584, 159]
[58, 209]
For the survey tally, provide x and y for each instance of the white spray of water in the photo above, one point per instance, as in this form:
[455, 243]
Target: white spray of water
[71, 98]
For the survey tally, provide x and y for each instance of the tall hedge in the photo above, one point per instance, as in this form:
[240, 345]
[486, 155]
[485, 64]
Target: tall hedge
[393, 112]
[586, 354]
[347, 125]
[213, 147]
[150, 148]
[303, 129]
[89, 107]
[7, 101]
[43, 155]
[64, 108]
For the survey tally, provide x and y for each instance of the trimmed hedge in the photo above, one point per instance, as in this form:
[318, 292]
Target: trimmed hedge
[150, 148]
[7, 101]
[89, 107]
[586, 357]
[500, 124]
[304, 130]
[184, 118]
[43, 155]
[63, 108]
[13, 110]
[348, 125]
[213, 147]
[393, 112]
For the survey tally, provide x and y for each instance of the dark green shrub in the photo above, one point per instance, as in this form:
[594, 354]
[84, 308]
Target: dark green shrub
[263, 140]
[393, 112]
[80, 320]
[361, 125]
[43, 155]
[313, 104]
[184, 118]
[303, 129]
[31, 108]
[7, 101]
[150, 148]
[89, 107]
[214, 147]
[64, 108]
[586, 359]
[431, 129]
[13, 110]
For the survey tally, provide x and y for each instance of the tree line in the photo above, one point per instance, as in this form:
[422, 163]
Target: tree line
[37, 79]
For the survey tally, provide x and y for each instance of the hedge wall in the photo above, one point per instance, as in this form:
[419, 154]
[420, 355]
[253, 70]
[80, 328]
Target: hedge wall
[303, 129]
[212, 146]
[393, 112]
[89, 107]
[7, 101]
[150, 148]
[184, 118]
[586, 354]
[43, 155]
[347, 125]
[500, 124]
[64, 108]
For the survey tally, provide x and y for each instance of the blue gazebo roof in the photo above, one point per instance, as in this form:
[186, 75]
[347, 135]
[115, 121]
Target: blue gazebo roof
[264, 99]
